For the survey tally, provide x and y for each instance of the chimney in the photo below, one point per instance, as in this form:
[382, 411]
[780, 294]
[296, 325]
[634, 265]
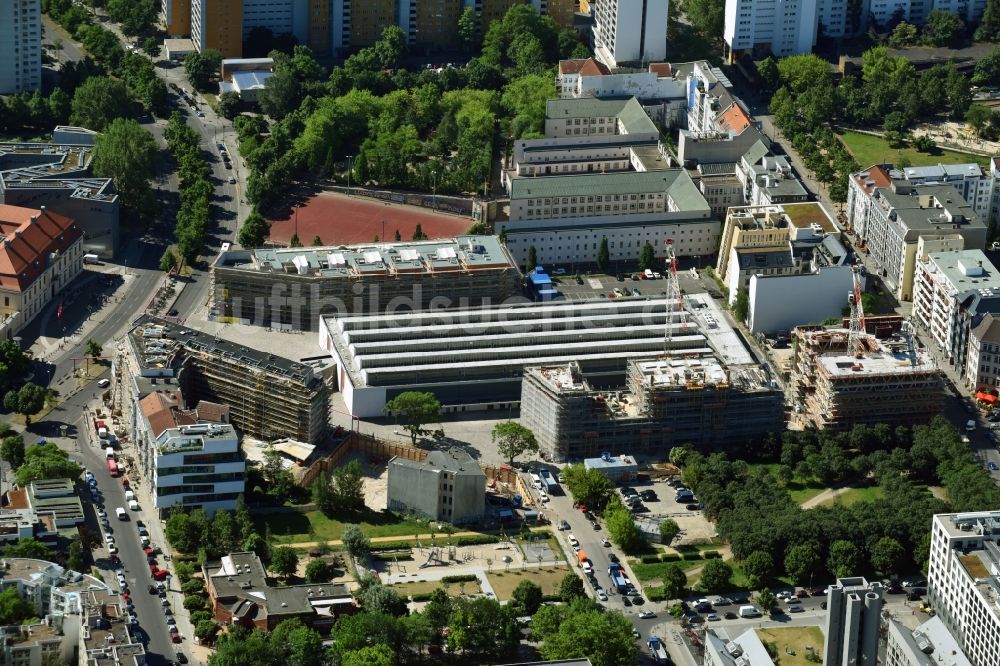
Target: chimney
[41, 209]
[34, 218]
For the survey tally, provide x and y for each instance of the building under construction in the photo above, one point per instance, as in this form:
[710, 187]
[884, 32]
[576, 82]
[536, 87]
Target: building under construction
[683, 398]
[268, 396]
[291, 288]
[840, 378]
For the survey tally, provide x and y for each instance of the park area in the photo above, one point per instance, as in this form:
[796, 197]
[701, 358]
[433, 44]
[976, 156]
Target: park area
[869, 150]
[793, 644]
[548, 578]
[299, 527]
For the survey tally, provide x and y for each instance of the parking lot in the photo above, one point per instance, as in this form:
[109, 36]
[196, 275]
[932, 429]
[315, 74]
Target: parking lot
[587, 286]
[695, 529]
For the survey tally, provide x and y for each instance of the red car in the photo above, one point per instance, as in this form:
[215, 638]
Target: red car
[160, 574]
[148, 550]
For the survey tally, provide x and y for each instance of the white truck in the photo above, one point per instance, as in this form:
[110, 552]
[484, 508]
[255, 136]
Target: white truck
[91, 259]
[120, 512]
[658, 650]
[749, 611]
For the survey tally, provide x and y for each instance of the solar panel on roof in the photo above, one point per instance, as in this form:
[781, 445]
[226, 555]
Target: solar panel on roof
[446, 253]
[372, 257]
[336, 259]
[408, 254]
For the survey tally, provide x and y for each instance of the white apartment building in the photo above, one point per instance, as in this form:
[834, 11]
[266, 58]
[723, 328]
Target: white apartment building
[20, 46]
[767, 179]
[599, 119]
[982, 365]
[941, 281]
[975, 186]
[630, 31]
[661, 89]
[788, 27]
[192, 458]
[930, 644]
[963, 581]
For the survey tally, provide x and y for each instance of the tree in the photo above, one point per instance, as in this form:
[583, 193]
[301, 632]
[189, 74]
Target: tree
[151, 47]
[887, 556]
[125, 152]
[844, 559]
[604, 637]
[942, 28]
[12, 451]
[903, 35]
[468, 26]
[254, 231]
[200, 67]
[896, 122]
[281, 95]
[318, 571]
[14, 609]
[417, 408]
[526, 598]
[622, 527]
[229, 104]
[674, 582]
[206, 630]
[373, 655]
[317, 241]
[168, 261]
[355, 541]
[348, 487]
[715, 575]
[284, 561]
[30, 548]
[418, 233]
[194, 603]
[512, 440]
[588, 486]
[74, 559]
[378, 598]
[390, 49]
[767, 70]
[707, 16]
[924, 144]
[321, 493]
[758, 567]
[295, 242]
[27, 400]
[98, 101]
[647, 255]
[766, 599]
[482, 626]
[532, 258]
[571, 588]
[741, 306]
[603, 256]
[669, 529]
[93, 348]
[193, 586]
[989, 24]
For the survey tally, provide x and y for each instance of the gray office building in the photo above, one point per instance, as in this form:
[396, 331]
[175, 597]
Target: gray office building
[446, 485]
[853, 620]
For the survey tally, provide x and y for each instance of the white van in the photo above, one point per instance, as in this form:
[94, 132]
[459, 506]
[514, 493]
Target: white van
[109, 452]
[133, 505]
[120, 512]
[749, 611]
[129, 496]
[536, 481]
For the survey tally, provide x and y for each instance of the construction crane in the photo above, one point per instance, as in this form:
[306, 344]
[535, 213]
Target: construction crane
[857, 334]
[675, 301]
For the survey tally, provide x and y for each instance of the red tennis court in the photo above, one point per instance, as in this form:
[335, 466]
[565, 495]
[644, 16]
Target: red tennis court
[338, 219]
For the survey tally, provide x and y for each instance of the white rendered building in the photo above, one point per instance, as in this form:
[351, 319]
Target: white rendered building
[963, 581]
[20, 46]
[930, 644]
[975, 186]
[630, 31]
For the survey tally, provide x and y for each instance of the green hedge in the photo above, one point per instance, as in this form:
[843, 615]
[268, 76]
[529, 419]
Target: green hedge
[712, 555]
[479, 540]
[391, 555]
[551, 598]
[655, 593]
[669, 557]
[692, 556]
[423, 596]
[383, 546]
[464, 578]
[649, 559]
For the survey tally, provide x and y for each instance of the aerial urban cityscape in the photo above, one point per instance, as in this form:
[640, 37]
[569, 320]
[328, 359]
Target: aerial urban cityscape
[514, 332]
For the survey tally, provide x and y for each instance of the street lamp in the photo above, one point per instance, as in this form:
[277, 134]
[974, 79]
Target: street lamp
[434, 188]
[349, 158]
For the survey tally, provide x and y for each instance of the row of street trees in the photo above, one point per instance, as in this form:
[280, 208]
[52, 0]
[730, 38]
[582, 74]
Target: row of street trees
[196, 191]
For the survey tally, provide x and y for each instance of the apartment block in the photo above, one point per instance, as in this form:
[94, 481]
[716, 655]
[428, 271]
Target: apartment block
[725, 649]
[930, 644]
[41, 252]
[218, 24]
[963, 581]
[942, 281]
[982, 365]
[853, 621]
[837, 382]
[446, 485]
[661, 89]
[788, 27]
[768, 179]
[268, 397]
[890, 215]
[630, 31]
[292, 288]
[20, 46]
[177, 17]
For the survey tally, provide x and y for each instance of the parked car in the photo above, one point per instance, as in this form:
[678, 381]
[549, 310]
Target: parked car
[563, 525]
[645, 615]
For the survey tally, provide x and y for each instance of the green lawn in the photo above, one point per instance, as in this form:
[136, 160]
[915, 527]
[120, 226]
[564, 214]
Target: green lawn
[294, 527]
[869, 150]
[548, 578]
[855, 495]
[655, 570]
[794, 639]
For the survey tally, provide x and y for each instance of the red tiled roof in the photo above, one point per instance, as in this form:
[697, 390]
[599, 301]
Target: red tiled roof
[734, 119]
[213, 411]
[878, 177]
[585, 67]
[661, 69]
[26, 244]
[158, 408]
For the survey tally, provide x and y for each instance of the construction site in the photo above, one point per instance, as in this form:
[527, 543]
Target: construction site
[268, 396]
[709, 393]
[844, 376]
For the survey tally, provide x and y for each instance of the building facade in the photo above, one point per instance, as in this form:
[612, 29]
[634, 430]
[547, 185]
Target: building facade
[630, 31]
[446, 485]
[930, 644]
[176, 17]
[963, 584]
[41, 252]
[20, 46]
[292, 288]
[853, 622]
[982, 366]
[218, 24]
